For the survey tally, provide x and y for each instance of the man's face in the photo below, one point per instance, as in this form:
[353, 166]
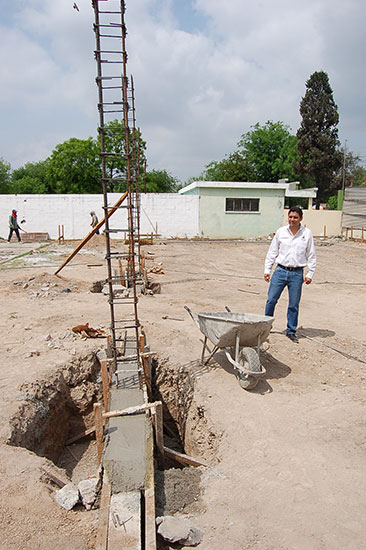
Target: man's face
[294, 219]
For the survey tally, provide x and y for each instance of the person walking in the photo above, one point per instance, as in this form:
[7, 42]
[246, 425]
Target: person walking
[94, 220]
[292, 249]
[14, 226]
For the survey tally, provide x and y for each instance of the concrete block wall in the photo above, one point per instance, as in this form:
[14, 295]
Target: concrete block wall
[173, 215]
[316, 220]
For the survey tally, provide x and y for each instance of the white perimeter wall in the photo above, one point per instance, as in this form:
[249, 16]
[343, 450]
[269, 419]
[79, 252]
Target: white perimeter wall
[174, 215]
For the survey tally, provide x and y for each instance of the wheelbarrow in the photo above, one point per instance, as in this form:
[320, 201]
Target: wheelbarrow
[238, 334]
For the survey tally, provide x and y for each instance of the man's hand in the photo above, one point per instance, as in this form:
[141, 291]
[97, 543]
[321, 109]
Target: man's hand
[307, 280]
[267, 277]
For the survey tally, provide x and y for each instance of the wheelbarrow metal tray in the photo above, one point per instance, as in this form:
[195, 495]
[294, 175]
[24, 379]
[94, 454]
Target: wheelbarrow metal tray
[221, 328]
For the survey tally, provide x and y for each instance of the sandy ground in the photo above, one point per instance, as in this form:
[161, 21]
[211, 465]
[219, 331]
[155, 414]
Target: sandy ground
[286, 460]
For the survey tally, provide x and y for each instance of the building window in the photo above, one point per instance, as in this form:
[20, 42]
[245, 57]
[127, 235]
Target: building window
[242, 205]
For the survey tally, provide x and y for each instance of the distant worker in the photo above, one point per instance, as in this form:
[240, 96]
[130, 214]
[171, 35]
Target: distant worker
[292, 249]
[94, 220]
[14, 226]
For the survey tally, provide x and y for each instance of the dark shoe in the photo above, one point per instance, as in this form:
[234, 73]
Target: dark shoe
[292, 337]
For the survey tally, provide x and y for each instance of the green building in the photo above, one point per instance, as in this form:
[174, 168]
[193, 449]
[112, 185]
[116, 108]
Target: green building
[229, 210]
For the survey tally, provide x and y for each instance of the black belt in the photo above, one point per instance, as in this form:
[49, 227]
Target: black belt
[289, 268]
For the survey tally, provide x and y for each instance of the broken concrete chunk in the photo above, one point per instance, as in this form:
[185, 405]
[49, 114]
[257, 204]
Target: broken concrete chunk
[88, 489]
[68, 496]
[179, 530]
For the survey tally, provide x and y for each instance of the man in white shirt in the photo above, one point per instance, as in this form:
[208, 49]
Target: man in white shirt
[292, 249]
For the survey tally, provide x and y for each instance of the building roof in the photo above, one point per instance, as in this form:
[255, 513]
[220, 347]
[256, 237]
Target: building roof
[290, 188]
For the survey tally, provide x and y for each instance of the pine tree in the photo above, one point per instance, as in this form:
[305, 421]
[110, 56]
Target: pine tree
[318, 136]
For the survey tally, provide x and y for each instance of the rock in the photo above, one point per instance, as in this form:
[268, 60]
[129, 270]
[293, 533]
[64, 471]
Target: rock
[179, 530]
[88, 489]
[97, 286]
[68, 496]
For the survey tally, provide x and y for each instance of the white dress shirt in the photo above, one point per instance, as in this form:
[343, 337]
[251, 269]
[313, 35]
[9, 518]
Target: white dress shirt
[292, 250]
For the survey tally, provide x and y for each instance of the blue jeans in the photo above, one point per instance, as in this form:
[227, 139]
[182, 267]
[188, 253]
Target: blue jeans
[293, 280]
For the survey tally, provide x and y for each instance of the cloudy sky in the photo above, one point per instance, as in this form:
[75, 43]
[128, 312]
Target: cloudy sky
[204, 72]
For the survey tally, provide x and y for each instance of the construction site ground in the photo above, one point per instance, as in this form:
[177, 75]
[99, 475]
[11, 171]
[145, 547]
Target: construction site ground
[286, 461]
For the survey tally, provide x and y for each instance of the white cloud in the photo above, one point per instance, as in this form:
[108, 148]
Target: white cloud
[196, 91]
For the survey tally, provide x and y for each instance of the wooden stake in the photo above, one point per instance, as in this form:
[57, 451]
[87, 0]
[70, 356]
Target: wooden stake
[325, 232]
[146, 365]
[142, 343]
[98, 419]
[105, 383]
[121, 274]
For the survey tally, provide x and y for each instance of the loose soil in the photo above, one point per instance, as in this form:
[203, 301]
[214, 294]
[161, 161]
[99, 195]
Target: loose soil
[286, 461]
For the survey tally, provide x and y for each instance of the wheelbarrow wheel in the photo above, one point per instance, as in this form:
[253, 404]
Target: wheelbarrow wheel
[249, 359]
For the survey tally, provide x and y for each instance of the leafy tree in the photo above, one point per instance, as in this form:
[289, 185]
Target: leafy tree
[318, 135]
[114, 142]
[30, 178]
[159, 181]
[359, 175]
[354, 172]
[4, 176]
[332, 202]
[75, 167]
[233, 168]
[270, 150]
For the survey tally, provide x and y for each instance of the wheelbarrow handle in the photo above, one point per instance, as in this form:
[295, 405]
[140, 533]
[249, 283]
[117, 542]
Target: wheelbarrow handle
[191, 314]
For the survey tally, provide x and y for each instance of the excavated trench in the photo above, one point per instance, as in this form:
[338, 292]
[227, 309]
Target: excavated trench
[54, 410]
[187, 430]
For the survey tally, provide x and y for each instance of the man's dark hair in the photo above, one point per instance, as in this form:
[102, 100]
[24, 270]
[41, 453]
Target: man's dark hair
[296, 209]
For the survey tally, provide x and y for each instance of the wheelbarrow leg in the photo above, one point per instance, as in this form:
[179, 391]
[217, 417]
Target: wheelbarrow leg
[211, 354]
[204, 349]
[237, 342]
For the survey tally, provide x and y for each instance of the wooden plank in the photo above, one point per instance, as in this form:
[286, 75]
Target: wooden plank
[92, 232]
[105, 383]
[59, 482]
[150, 525]
[101, 542]
[184, 459]
[80, 435]
[159, 432]
[98, 429]
[131, 410]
